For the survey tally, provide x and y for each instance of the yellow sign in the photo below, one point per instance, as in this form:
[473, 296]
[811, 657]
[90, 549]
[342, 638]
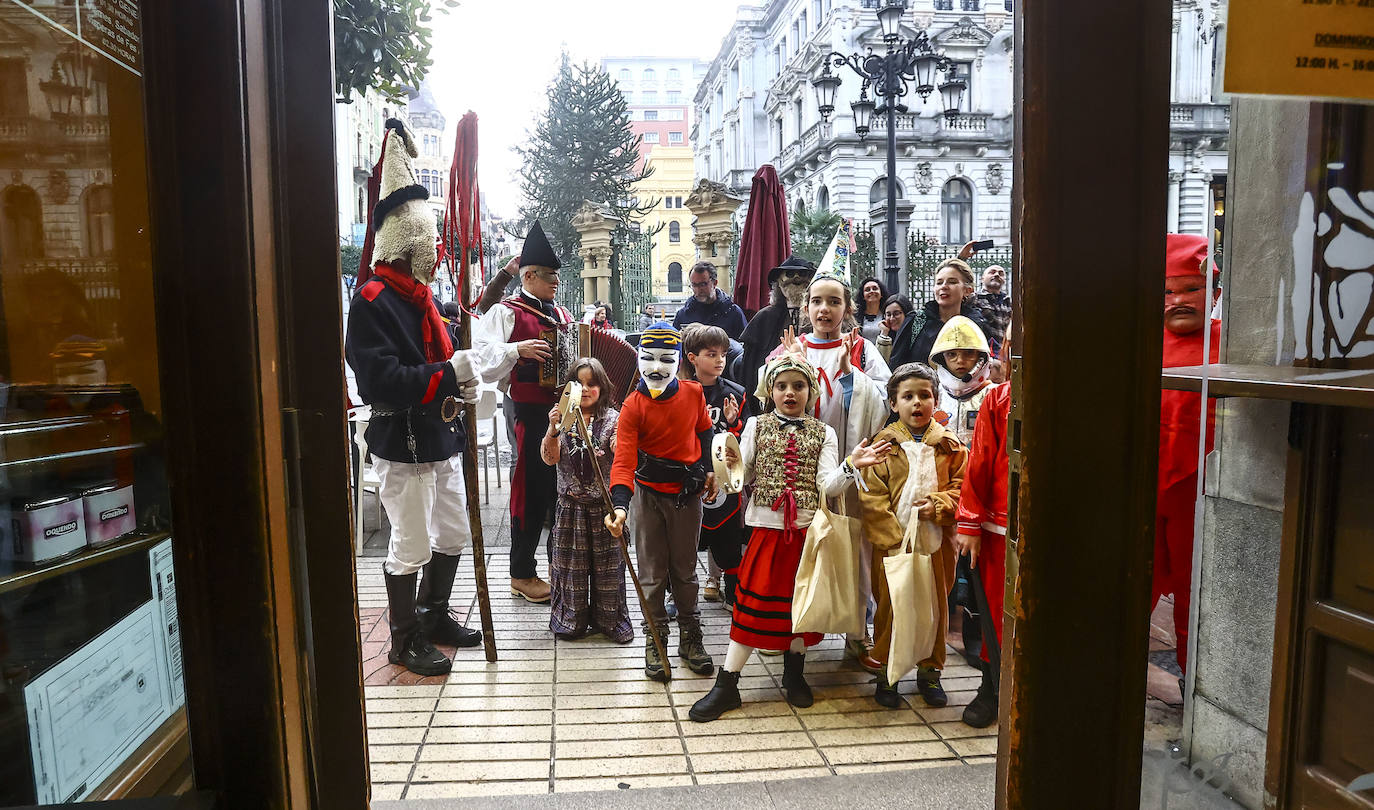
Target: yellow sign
[1314, 48]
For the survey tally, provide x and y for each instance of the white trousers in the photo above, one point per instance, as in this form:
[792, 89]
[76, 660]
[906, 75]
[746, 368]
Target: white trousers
[427, 506]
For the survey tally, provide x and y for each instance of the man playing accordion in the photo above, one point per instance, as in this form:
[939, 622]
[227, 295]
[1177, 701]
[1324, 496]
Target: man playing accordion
[524, 343]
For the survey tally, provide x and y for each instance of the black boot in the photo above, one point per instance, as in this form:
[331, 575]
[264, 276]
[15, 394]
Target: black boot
[731, 583]
[981, 712]
[886, 693]
[409, 648]
[691, 649]
[723, 697]
[794, 684]
[436, 621]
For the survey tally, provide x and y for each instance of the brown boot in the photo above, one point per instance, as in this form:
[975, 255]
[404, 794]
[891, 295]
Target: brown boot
[533, 589]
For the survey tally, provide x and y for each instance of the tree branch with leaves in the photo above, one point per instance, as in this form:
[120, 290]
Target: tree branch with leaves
[382, 45]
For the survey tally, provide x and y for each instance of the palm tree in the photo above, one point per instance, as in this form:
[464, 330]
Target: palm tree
[812, 231]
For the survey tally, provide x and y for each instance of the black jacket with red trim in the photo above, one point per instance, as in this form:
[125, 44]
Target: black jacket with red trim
[385, 349]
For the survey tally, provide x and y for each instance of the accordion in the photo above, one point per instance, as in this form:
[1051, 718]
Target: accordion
[571, 341]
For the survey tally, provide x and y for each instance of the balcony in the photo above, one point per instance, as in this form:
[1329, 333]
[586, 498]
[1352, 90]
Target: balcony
[1200, 119]
[739, 180]
[966, 128]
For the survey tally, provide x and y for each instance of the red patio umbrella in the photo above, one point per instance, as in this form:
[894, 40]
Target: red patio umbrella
[765, 242]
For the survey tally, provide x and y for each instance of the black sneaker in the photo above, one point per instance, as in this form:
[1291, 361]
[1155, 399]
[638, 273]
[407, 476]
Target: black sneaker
[886, 694]
[420, 657]
[928, 684]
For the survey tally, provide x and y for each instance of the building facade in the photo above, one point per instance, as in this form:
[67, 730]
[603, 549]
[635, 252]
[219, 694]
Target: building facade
[427, 128]
[670, 221]
[659, 92]
[358, 129]
[756, 105]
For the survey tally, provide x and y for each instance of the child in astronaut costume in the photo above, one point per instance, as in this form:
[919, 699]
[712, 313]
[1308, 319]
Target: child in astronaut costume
[960, 359]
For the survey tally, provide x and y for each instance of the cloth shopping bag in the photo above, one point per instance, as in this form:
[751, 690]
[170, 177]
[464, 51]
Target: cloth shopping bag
[826, 598]
[910, 572]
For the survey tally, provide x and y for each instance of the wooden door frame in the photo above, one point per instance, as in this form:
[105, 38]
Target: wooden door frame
[254, 400]
[1091, 273]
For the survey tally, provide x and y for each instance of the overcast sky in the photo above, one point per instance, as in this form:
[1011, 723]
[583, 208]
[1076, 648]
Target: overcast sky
[497, 58]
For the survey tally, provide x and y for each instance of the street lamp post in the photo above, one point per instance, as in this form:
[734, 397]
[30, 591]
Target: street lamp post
[887, 75]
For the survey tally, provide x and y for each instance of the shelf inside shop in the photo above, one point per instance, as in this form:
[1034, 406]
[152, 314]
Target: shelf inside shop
[25, 577]
[1352, 388]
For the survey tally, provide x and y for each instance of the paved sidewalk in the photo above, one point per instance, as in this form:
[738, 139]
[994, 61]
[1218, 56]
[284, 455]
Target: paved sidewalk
[555, 716]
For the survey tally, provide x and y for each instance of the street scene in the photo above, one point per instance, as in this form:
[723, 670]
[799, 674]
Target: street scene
[782, 403]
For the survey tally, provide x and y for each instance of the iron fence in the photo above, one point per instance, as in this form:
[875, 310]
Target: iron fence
[924, 255]
[632, 281]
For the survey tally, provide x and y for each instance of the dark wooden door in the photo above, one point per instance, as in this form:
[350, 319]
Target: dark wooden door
[1321, 737]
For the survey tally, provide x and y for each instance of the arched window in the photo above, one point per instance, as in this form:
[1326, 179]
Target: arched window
[22, 223]
[674, 74]
[878, 192]
[362, 206]
[956, 212]
[675, 233]
[823, 199]
[623, 75]
[648, 75]
[98, 208]
[675, 277]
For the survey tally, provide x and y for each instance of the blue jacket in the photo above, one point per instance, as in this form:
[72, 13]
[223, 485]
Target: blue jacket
[722, 312]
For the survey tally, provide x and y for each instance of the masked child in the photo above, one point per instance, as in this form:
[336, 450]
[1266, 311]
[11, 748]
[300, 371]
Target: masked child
[919, 481]
[722, 522]
[663, 440]
[960, 358]
[586, 573]
[792, 458]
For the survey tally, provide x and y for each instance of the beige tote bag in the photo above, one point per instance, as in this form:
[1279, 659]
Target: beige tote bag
[911, 574]
[826, 597]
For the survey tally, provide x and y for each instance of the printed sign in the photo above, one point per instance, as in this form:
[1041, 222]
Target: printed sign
[1311, 48]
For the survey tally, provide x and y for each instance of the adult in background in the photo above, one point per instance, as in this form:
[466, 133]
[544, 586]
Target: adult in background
[647, 318]
[513, 352]
[953, 296]
[872, 294]
[896, 310]
[994, 302]
[789, 282]
[709, 305]
[1189, 295]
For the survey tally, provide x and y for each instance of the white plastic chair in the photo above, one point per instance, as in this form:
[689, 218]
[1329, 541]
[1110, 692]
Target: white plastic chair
[488, 403]
[364, 478]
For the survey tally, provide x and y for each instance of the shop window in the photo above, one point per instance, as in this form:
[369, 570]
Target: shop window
[23, 224]
[98, 205]
[956, 212]
[675, 277]
[674, 232]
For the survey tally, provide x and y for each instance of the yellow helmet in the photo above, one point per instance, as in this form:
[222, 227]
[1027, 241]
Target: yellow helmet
[959, 332]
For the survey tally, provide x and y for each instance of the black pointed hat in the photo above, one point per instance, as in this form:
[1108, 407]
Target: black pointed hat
[537, 249]
[793, 262]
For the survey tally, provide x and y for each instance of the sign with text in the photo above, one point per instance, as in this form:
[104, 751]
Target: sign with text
[1312, 48]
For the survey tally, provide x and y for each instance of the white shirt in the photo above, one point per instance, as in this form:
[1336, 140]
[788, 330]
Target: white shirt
[495, 354]
[831, 478]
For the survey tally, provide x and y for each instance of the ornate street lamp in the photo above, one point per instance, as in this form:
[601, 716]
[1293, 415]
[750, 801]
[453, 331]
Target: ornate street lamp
[913, 60]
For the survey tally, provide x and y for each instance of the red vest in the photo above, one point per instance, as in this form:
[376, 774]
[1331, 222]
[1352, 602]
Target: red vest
[524, 378]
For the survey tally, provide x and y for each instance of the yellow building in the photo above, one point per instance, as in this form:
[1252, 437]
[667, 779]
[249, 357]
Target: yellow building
[673, 253]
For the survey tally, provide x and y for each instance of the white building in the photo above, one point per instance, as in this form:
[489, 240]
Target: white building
[436, 158]
[756, 105]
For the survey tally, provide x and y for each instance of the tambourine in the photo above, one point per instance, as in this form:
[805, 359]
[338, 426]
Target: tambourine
[729, 475]
[568, 404]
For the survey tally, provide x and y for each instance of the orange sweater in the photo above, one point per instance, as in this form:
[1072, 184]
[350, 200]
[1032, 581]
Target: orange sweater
[667, 427]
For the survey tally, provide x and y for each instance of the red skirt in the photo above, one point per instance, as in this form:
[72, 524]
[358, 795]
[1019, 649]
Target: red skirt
[763, 599]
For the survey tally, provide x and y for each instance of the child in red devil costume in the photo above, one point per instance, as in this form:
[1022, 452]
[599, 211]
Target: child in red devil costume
[1190, 293]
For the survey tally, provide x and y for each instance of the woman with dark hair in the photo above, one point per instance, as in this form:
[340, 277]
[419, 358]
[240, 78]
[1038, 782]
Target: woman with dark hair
[953, 296]
[896, 310]
[872, 294]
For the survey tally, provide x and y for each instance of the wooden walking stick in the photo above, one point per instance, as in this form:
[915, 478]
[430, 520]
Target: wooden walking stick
[462, 230]
[624, 549]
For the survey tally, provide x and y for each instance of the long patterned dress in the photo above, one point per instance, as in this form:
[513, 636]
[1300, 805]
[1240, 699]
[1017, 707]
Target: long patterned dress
[586, 570]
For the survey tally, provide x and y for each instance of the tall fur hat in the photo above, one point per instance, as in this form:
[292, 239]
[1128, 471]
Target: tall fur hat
[405, 226]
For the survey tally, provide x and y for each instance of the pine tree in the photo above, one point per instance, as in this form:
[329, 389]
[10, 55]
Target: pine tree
[582, 148]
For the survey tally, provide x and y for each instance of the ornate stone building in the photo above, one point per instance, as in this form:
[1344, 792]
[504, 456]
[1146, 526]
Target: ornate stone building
[756, 105]
[670, 221]
[358, 128]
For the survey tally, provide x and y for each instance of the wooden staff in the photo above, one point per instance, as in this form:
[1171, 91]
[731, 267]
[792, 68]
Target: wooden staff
[479, 552]
[624, 549]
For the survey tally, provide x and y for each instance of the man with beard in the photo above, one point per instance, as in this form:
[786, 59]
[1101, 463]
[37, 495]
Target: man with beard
[1189, 295]
[708, 304]
[789, 282]
[406, 369]
[995, 303]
